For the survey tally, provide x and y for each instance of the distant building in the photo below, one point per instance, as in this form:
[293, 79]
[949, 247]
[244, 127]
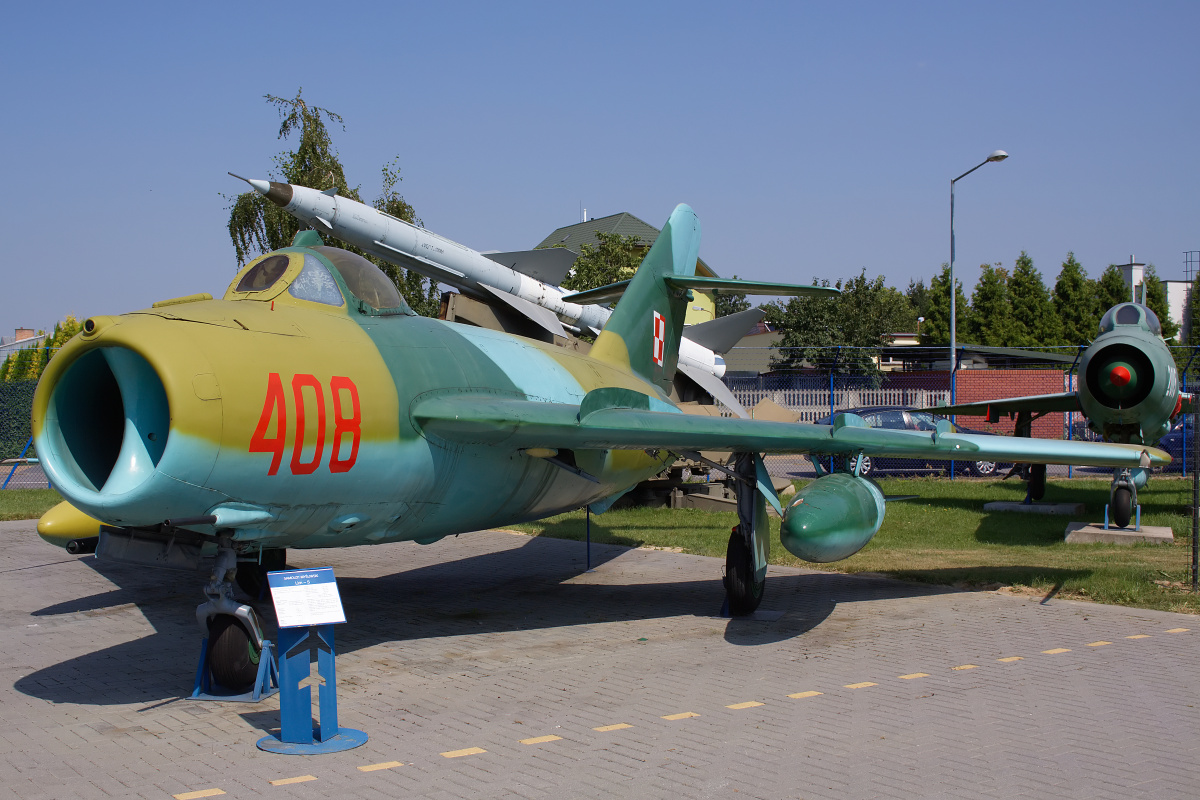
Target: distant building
[22, 338]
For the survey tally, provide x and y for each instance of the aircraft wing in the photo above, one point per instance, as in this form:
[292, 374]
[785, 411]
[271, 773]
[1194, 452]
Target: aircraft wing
[992, 409]
[612, 418]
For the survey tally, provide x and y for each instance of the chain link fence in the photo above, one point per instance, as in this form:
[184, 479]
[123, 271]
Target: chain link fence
[18, 459]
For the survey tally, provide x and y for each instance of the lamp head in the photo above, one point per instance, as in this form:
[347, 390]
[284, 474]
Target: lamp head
[997, 155]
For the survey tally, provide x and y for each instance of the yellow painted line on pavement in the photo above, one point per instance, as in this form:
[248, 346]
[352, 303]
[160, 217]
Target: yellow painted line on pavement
[383, 765]
[1010, 659]
[541, 739]
[199, 794]
[965, 666]
[1098, 644]
[802, 695]
[912, 675]
[1056, 651]
[748, 704]
[1178, 630]
[684, 715]
[470, 751]
[1139, 636]
[298, 779]
[862, 685]
[620, 726]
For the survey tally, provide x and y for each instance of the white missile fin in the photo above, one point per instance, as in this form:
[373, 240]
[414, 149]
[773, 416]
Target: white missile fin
[715, 387]
[722, 333]
[322, 224]
[548, 266]
[330, 192]
[542, 316]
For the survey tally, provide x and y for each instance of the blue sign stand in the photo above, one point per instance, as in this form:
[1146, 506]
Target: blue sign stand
[298, 735]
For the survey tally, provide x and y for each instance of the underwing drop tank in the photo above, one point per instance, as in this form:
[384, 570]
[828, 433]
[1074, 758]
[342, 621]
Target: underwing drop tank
[832, 518]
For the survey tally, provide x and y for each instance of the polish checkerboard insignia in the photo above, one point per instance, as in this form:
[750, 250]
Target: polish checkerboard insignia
[660, 339]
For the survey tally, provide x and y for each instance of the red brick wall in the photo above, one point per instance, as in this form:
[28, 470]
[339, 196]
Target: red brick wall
[975, 386]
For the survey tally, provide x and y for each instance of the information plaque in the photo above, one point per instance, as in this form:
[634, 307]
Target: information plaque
[305, 597]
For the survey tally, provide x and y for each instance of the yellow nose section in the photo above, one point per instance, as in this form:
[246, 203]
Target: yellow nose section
[65, 522]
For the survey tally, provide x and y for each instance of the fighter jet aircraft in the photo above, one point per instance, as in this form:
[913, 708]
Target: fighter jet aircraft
[1128, 392]
[310, 407]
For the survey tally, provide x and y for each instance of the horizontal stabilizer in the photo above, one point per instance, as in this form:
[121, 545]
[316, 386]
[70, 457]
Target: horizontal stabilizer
[722, 333]
[606, 294]
[550, 265]
[542, 316]
[992, 409]
[618, 419]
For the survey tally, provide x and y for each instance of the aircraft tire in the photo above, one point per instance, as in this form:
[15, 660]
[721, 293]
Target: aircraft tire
[1037, 481]
[1122, 507]
[743, 593]
[232, 655]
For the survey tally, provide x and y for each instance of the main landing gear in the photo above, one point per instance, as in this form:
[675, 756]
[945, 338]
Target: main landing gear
[235, 637]
[749, 542]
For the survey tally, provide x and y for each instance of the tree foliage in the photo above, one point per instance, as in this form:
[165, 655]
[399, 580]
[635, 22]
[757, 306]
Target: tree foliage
[1033, 317]
[936, 329]
[726, 303]
[1111, 288]
[1076, 303]
[860, 320]
[990, 322]
[257, 225]
[28, 363]
[612, 259]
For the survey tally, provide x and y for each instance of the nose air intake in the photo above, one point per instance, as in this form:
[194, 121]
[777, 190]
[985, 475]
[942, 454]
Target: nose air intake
[1120, 376]
[109, 420]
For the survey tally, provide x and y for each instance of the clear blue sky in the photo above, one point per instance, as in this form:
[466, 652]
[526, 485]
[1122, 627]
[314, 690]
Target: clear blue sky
[813, 139]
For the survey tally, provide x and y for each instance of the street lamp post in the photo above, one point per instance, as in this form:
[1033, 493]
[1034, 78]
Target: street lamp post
[997, 155]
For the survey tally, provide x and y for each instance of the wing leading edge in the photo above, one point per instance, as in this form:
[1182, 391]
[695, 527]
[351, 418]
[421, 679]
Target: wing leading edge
[621, 419]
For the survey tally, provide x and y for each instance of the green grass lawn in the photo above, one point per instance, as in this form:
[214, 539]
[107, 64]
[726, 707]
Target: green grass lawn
[27, 503]
[945, 538]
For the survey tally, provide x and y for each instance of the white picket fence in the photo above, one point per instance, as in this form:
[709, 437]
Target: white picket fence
[814, 403]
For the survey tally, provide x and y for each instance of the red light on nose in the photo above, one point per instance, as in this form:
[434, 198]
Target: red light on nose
[1119, 376]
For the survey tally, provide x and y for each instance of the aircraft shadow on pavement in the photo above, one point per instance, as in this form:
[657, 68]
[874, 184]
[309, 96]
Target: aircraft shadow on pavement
[525, 588]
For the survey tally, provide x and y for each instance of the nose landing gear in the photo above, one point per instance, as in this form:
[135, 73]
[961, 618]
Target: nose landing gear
[235, 637]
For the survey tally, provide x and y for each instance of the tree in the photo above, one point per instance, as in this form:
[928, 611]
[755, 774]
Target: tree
[29, 363]
[258, 225]
[936, 329]
[1033, 316]
[1156, 299]
[990, 322]
[612, 259]
[918, 298]
[1111, 288]
[726, 303]
[860, 320]
[1076, 303]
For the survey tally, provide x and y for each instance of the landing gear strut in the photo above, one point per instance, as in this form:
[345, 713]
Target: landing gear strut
[235, 638]
[749, 543]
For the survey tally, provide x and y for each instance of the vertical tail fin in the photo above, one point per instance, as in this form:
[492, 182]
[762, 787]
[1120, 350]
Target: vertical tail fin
[643, 333]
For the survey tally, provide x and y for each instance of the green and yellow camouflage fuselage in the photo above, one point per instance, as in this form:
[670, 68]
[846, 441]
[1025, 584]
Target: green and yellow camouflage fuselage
[291, 419]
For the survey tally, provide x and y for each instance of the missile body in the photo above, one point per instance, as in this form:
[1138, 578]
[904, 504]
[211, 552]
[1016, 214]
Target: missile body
[445, 261]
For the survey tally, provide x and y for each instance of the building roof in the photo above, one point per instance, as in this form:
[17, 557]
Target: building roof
[573, 237]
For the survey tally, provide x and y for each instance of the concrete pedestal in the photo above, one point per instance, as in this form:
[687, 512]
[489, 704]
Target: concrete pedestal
[1089, 533]
[1063, 509]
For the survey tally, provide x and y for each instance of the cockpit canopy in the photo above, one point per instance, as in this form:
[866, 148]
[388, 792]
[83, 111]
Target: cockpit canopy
[1131, 315]
[320, 274]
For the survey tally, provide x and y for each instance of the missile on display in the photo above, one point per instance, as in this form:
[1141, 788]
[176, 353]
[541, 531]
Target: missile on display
[524, 281]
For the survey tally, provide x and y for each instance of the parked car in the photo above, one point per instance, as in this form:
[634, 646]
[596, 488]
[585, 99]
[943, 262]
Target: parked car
[1174, 443]
[900, 418]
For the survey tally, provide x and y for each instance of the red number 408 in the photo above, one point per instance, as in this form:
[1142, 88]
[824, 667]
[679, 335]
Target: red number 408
[275, 407]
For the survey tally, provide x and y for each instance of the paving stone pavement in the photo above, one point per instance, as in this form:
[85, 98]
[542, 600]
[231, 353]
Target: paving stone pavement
[488, 639]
